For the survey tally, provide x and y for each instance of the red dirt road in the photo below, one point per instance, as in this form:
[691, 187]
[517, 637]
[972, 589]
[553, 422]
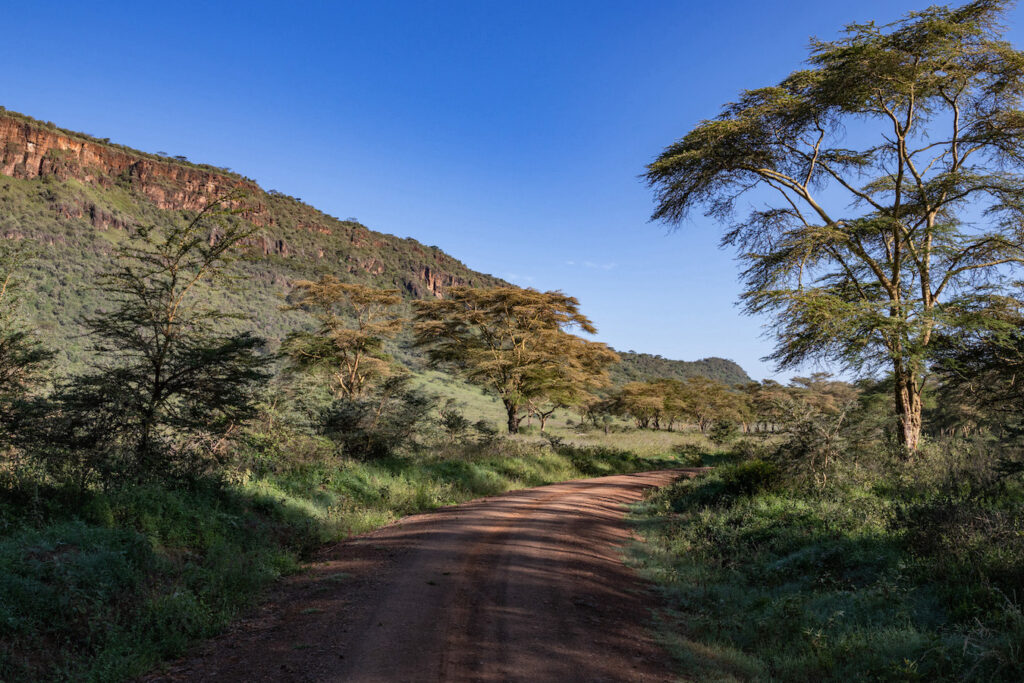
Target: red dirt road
[528, 586]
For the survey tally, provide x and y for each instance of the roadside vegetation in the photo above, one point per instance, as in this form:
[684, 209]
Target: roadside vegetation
[104, 585]
[875, 531]
[211, 423]
[819, 553]
[150, 498]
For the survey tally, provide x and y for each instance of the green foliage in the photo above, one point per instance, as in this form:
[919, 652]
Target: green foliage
[867, 253]
[230, 488]
[644, 367]
[111, 599]
[750, 477]
[377, 425]
[454, 423]
[724, 431]
[895, 571]
[349, 353]
[516, 343]
[664, 402]
[168, 384]
[113, 583]
[23, 360]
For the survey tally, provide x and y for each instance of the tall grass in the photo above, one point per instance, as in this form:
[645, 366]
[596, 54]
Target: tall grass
[764, 580]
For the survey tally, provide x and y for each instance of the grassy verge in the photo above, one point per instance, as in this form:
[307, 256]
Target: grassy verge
[864, 581]
[102, 587]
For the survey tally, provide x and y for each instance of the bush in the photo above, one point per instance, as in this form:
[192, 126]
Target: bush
[376, 426]
[724, 431]
[750, 477]
[723, 485]
[453, 422]
[486, 431]
[914, 573]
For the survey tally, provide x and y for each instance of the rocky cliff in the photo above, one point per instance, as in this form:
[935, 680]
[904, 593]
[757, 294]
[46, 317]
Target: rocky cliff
[32, 150]
[29, 149]
[75, 195]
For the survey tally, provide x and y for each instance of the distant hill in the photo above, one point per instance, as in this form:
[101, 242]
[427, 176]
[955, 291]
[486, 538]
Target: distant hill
[639, 367]
[73, 195]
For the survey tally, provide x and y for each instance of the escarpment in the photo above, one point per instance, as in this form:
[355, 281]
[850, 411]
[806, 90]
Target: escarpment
[29, 151]
[75, 195]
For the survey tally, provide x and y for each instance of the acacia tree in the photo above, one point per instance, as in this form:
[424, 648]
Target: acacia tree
[514, 342]
[891, 171]
[559, 385]
[763, 399]
[170, 378]
[642, 401]
[708, 400]
[353, 322]
[982, 373]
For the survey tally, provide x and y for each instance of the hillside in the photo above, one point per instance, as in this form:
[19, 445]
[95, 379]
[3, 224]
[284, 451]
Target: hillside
[73, 195]
[638, 367]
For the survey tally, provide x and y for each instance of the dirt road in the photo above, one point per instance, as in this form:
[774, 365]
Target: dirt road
[528, 586]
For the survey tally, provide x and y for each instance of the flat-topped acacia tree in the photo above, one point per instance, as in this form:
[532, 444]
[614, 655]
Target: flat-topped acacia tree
[514, 342]
[891, 175]
[348, 344]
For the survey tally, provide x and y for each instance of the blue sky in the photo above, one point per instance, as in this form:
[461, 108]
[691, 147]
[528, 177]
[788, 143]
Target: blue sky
[509, 134]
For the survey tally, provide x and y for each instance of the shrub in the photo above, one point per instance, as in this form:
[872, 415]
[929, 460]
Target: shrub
[750, 477]
[486, 431]
[724, 431]
[374, 427]
[453, 422]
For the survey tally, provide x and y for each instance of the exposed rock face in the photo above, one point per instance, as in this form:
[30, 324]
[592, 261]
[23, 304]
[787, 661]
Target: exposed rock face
[31, 149]
[27, 151]
[436, 282]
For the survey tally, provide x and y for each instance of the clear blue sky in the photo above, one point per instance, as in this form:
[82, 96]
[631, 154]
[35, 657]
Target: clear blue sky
[509, 134]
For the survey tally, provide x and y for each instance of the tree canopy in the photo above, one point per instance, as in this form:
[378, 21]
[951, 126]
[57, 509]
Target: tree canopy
[353, 322]
[888, 176]
[515, 342]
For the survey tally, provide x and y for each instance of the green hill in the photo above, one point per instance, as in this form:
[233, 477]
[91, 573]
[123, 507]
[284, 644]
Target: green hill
[72, 196]
[640, 367]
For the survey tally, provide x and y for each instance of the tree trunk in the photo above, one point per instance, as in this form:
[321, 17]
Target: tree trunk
[513, 417]
[543, 421]
[908, 408]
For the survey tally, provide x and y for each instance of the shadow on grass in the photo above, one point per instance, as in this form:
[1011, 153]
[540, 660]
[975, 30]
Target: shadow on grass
[103, 586]
[787, 586]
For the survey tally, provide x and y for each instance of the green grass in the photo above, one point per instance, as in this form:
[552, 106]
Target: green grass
[106, 586]
[766, 582]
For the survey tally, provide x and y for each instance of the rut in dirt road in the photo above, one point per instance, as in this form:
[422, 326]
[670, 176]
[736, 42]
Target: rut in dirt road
[528, 586]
